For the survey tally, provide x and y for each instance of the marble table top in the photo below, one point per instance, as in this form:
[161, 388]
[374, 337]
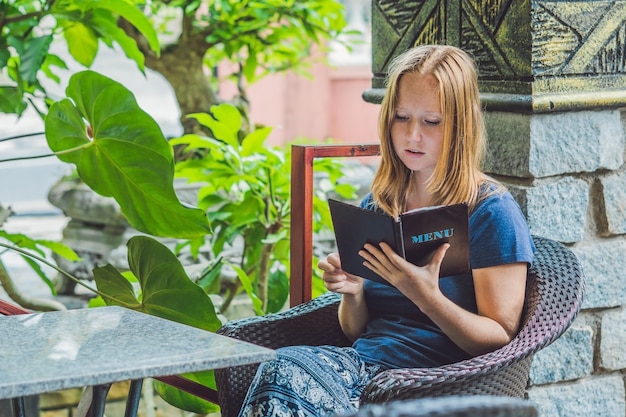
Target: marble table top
[43, 352]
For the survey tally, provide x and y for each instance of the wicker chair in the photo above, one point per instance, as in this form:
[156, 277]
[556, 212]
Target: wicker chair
[454, 406]
[554, 296]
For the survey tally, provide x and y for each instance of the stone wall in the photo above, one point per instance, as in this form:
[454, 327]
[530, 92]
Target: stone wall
[567, 172]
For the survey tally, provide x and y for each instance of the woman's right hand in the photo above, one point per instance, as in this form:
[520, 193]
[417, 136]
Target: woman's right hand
[352, 314]
[336, 279]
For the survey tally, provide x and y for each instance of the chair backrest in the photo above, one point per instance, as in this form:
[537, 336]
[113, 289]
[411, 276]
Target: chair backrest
[301, 241]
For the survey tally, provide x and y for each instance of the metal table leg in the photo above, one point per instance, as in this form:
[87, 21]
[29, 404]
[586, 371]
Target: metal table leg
[134, 395]
[18, 407]
[98, 401]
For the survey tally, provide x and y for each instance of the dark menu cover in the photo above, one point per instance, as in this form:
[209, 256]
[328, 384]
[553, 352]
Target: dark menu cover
[414, 235]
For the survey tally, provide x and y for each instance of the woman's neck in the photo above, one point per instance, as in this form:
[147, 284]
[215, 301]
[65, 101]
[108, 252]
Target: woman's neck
[417, 195]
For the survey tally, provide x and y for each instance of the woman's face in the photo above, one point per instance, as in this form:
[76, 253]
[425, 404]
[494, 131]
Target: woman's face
[417, 127]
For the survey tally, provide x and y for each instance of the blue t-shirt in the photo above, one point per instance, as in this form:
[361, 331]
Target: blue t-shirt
[398, 334]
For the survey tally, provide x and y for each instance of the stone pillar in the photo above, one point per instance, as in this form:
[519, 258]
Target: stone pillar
[553, 83]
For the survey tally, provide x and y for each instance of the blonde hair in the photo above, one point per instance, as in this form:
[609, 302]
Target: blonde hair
[457, 175]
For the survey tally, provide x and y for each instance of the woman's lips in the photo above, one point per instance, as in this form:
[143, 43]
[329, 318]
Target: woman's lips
[414, 153]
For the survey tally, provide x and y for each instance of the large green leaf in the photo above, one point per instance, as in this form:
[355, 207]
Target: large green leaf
[166, 290]
[115, 289]
[255, 141]
[121, 153]
[224, 121]
[108, 29]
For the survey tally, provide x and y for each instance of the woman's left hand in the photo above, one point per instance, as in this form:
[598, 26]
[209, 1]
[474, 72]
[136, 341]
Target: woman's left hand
[402, 274]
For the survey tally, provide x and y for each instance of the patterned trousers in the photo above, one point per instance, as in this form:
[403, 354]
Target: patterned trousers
[308, 381]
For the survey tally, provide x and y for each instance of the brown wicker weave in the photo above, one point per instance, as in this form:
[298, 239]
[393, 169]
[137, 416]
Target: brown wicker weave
[554, 296]
[454, 406]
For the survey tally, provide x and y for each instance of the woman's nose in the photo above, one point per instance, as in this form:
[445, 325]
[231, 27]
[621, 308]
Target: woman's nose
[414, 131]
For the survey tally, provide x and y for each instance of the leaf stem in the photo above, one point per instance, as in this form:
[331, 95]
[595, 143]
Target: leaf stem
[25, 135]
[74, 149]
[67, 274]
[31, 303]
[24, 158]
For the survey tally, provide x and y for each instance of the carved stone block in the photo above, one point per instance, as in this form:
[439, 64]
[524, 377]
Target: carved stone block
[533, 56]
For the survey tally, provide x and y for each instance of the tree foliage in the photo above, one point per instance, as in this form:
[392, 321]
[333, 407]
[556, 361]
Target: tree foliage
[28, 27]
[258, 37]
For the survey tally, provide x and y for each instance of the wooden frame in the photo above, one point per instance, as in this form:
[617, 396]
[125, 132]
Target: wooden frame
[301, 241]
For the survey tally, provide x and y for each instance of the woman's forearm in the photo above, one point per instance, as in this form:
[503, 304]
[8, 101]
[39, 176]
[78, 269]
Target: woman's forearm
[353, 315]
[473, 333]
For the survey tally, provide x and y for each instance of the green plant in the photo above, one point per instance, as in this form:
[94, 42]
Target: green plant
[245, 189]
[256, 37]
[156, 284]
[261, 37]
[27, 29]
[120, 151]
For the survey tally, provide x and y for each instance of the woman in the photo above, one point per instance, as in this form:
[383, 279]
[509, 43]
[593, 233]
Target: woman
[432, 141]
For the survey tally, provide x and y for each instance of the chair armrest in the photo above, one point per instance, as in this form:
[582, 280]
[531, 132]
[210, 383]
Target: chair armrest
[501, 372]
[312, 323]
